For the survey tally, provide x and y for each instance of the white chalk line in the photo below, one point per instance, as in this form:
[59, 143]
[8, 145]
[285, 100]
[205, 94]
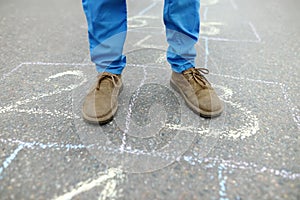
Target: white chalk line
[255, 32]
[206, 53]
[222, 182]
[10, 158]
[110, 189]
[211, 162]
[113, 176]
[247, 129]
[10, 72]
[209, 2]
[214, 74]
[205, 13]
[294, 110]
[219, 39]
[54, 113]
[152, 5]
[139, 21]
[139, 43]
[42, 63]
[14, 107]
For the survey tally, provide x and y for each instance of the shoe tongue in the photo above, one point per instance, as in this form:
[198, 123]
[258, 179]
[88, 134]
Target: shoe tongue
[106, 82]
[195, 81]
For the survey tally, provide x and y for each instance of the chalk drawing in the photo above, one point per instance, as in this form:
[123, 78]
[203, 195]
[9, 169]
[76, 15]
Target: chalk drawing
[112, 177]
[192, 160]
[211, 28]
[251, 125]
[14, 107]
[138, 21]
[142, 43]
[212, 162]
[248, 129]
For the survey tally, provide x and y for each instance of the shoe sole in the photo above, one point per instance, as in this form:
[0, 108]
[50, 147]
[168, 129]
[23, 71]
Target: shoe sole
[197, 110]
[105, 119]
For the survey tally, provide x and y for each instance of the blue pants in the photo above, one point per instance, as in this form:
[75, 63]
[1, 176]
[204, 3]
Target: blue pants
[107, 27]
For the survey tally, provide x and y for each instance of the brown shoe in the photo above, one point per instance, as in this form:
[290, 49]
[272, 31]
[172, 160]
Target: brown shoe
[197, 92]
[101, 102]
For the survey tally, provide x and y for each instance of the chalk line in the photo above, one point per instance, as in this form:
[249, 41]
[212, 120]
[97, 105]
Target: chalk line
[54, 113]
[10, 72]
[255, 32]
[23, 101]
[10, 158]
[129, 112]
[142, 40]
[142, 12]
[114, 174]
[192, 160]
[206, 53]
[228, 40]
[211, 162]
[247, 79]
[205, 13]
[109, 191]
[292, 108]
[210, 28]
[209, 2]
[222, 182]
[41, 63]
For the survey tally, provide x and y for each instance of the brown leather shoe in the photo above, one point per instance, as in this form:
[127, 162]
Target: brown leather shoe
[101, 102]
[197, 92]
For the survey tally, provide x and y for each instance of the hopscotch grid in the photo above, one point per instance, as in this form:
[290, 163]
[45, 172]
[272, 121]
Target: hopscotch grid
[292, 107]
[80, 146]
[192, 160]
[222, 166]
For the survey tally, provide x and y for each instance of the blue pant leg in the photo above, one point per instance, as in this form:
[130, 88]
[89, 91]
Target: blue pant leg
[107, 26]
[182, 21]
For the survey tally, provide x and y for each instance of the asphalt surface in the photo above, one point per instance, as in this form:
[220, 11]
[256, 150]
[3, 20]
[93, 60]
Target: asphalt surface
[156, 148]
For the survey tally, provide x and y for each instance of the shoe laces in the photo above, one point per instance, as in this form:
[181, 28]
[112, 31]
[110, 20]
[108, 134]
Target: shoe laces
[196, 74]
[112, 78]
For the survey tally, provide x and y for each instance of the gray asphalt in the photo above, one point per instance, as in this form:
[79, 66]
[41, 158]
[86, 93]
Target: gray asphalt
[156, 148]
